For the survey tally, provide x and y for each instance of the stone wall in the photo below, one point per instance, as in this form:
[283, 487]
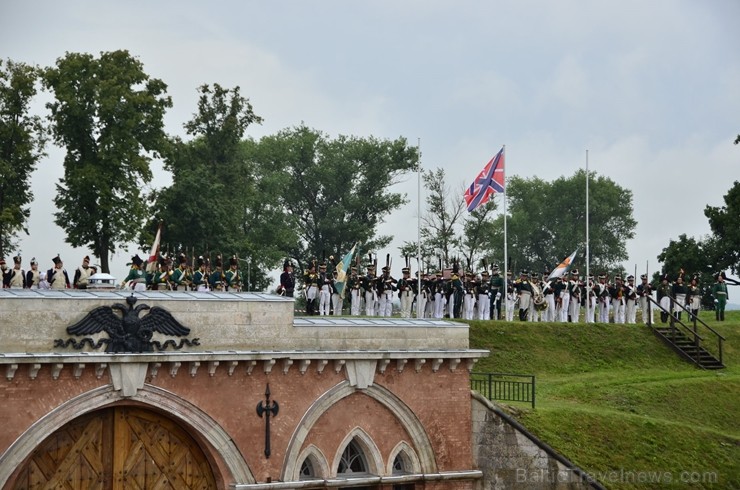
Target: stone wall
[512, 458]
[30, 321]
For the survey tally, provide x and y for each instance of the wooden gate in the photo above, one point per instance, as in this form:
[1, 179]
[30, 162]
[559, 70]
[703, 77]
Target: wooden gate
[115, 449]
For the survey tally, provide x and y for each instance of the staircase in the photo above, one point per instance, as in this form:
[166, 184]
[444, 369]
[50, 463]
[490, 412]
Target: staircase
[686, 340]
[687, 348]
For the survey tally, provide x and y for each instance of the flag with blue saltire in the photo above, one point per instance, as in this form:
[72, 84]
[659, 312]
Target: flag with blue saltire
[563, 267]
[489, 180]
[342, 268]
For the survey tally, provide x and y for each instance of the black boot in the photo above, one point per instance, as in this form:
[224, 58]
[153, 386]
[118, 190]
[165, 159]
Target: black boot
[722, 315]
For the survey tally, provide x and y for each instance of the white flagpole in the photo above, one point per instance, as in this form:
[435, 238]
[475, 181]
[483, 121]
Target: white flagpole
[506, 250]
[588, 257]
[419, 262]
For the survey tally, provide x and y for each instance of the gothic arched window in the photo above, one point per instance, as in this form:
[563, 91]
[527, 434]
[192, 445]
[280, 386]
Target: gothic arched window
[353, 459]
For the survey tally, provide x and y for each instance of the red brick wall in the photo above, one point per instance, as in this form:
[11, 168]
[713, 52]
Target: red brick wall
[440, 400]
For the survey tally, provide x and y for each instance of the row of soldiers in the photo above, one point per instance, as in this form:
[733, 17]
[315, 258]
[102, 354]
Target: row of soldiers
[442, 293]
[200, 276]
[55, 277]
[450, 293]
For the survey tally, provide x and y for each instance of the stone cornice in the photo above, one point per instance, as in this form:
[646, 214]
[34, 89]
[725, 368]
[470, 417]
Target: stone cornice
[233, 362]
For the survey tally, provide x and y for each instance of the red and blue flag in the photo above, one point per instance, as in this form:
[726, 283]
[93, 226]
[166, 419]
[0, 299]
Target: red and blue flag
[490, 180]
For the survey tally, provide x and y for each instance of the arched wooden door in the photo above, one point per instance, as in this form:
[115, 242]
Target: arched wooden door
[115, 449]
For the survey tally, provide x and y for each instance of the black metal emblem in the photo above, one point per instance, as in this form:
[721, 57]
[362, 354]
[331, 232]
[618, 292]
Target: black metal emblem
[127, 333]
[268, 409]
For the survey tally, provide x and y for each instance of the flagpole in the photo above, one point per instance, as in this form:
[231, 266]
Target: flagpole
[506, 241]
[419, 263]
[588, 257]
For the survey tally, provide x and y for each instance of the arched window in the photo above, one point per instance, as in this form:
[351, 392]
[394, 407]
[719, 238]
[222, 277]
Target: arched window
[313, 465]
[399, 465]
[353, 459]
[307, 471]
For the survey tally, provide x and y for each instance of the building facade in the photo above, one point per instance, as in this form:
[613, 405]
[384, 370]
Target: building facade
[228, 390]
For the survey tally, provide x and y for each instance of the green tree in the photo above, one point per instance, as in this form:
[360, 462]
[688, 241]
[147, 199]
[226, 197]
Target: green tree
[724, 224]
[335, 191]
[217, 202]
[22, 141]
[547, 221]
[692, 256]
[108, 114]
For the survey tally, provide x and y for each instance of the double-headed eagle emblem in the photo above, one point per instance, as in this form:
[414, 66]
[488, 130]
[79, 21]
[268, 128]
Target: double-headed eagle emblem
[128, 332]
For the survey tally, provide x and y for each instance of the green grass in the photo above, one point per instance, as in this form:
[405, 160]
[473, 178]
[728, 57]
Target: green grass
[621, 405]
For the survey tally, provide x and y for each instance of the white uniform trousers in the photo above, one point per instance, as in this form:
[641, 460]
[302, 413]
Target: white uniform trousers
[355, 296]
[510, 302]
[630, 311]
[484, 307]
[336, 304]
[618, 310]
[439, 305]
[386, 304]
[324, 300]
[564, 305]
[468, 306]
[407, 298]
[370, 303]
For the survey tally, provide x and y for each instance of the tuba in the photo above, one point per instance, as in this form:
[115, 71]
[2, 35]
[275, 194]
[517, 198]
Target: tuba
[538, 297]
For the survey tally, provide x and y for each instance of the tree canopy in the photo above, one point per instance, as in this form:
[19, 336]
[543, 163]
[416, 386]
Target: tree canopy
[335, 191]
[108, 114]
[547, 222]
[22, 141]
[212, 207]
[724, 222]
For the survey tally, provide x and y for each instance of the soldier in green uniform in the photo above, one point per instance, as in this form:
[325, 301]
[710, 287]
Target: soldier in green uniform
[136, 278]
[233, 277]
[200, 276]
[498, 289]
[719, 292]
[664, 298]
[181, 277]
[217, 280]
[161, 278]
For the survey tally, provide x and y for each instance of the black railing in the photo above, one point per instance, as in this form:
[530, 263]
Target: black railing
[677, 325]
[504, 386]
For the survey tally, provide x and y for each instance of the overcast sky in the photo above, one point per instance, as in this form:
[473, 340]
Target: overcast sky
[650, 89]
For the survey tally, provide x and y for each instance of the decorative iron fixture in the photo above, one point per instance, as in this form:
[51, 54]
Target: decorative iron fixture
[127, 333]
[267, 408]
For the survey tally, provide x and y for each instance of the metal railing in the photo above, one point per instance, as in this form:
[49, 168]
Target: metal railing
[504, 386]
[677, 325]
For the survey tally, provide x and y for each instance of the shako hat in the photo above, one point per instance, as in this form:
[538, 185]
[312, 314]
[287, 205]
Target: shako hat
[34, 261]
[287, 263]
[18, 259]
[182, 258]
[233, 260]
[200, 260]
[136, 260]
[57, 260]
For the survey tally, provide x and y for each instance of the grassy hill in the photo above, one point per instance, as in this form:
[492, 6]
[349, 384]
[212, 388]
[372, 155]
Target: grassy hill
[621, 405]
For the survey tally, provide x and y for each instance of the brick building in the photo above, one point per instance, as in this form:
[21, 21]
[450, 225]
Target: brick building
[356, 403]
